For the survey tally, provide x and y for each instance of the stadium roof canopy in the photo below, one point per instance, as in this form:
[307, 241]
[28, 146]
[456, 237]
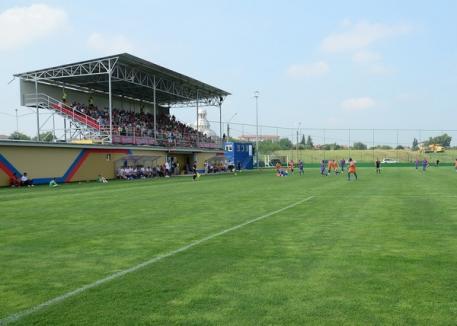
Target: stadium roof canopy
[131, 77]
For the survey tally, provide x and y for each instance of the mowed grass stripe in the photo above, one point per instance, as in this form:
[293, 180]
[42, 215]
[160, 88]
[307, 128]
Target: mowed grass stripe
[57, 250]
[312, 264]
[135, 268]
[54, 246]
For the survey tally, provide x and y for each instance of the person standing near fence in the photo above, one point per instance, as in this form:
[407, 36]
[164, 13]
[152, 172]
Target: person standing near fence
[323, 170]
[378, 166]
[342, 164]
[300, 167]
[424, 165]
[291, 167]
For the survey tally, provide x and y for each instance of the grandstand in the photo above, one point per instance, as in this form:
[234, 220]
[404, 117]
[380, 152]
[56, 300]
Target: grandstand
[120, 96]
[110, 106]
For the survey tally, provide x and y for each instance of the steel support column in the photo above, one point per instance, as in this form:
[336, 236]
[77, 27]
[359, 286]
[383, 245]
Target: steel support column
[198, 135]
[37, 111]
[155, 108]
[110, 103]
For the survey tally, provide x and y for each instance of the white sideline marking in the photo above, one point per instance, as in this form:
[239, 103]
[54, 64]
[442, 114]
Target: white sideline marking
[56, 300]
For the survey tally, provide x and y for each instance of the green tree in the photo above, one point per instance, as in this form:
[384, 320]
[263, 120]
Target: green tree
[359, 145]
[309, 142]
[443, 140]
[285, 143]
[399, 147]
[268, 146]
[303, 140]
[415, 146]
[18, 136]
[45, 136]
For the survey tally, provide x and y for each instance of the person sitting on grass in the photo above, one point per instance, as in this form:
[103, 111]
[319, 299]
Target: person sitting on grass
[102, 179]
[352, 169]
[53, 183]
[15, 181]
[25, 181]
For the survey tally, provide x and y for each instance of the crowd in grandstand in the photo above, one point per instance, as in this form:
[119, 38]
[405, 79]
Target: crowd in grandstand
[170, 131]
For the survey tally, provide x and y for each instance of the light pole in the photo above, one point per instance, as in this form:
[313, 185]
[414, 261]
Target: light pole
[298, 133]
[256, 95]
[228, 125]
[17, 122]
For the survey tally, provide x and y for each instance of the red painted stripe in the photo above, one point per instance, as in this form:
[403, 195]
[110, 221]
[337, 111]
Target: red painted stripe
[77, 166]
[6, 170]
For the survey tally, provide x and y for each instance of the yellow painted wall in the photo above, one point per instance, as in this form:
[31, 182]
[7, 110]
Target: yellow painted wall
[95, 164]
[40, 162]
[4, 179]
[54, 161]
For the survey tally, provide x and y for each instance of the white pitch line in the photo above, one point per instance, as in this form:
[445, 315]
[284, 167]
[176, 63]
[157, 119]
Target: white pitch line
[21, 314]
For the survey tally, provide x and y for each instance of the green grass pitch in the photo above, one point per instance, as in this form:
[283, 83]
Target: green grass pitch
[382, 250]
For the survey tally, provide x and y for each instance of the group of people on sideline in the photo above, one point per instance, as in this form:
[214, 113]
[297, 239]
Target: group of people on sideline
[168, 169]
[21, 180]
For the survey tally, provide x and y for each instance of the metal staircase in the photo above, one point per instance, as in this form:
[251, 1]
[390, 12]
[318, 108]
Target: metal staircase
[85, 126]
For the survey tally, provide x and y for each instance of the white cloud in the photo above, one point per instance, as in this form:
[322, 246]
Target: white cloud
[358, 104]
[365, 56]
[315, 69]
[20, 26]
[109, 44]
[361, 35]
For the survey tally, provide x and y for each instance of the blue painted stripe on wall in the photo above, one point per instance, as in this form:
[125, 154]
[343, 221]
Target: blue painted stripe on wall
[73, 165]
[9, 165]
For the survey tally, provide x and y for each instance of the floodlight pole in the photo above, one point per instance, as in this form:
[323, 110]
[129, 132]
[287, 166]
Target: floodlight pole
[110, 102]
[220, 122]
[296, 146]
[17, 121]
[228, 125]
[256, 95]
[373, 144]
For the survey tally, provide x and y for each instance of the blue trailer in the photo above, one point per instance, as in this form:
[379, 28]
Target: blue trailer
[239, 153]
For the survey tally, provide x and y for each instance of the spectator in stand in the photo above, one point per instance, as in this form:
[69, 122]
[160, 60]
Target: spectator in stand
[171, 132]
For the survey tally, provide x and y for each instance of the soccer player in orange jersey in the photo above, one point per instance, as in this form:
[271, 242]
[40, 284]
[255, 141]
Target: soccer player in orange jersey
[352, 169]
[336, 167]
[329, 166]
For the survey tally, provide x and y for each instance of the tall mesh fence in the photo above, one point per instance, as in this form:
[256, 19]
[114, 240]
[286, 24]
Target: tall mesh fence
[365, 145]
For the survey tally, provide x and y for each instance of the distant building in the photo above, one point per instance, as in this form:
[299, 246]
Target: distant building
[272, 138]
[2, 137]
[203, 124]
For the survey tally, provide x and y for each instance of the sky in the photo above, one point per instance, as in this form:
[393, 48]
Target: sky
[316, 64]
